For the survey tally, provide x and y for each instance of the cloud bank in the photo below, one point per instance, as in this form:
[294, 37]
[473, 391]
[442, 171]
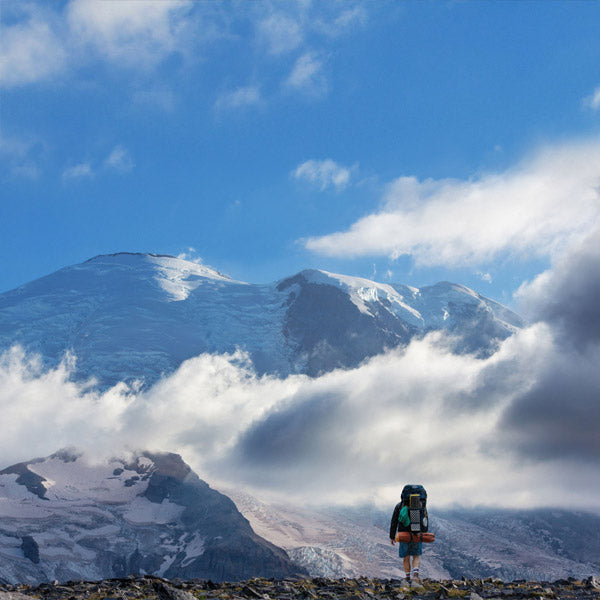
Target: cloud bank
[518, 428]
[538, 208]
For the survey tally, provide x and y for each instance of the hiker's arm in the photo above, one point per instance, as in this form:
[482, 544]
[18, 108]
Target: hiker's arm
[394, 523]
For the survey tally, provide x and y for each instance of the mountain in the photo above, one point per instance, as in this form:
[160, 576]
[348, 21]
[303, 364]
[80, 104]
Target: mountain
[544, 544]
[138, 316]
[64, 517]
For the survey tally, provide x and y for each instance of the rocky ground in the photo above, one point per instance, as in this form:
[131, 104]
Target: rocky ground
[155, 588]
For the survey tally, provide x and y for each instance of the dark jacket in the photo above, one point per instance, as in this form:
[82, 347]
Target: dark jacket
[395, 524]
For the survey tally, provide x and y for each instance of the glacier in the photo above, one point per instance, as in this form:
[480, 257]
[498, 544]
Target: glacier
[136, 317]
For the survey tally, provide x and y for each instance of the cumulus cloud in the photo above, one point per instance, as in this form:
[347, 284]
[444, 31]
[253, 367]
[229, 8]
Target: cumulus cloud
[132, 32]
[280, 32]
[593, 101]
[30, 49]
[79, 171]
[560, 415]
[119, 159]
[323, 173]
[288, 26]
[40, 42]
[239, 98]
[307, 75]
[567, 294]
[43, 43]
[191, 254]
[537, 208]
[349, 18]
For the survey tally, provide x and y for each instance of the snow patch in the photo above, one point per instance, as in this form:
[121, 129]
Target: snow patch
[193, 549]
[140, 511]
[179, 278]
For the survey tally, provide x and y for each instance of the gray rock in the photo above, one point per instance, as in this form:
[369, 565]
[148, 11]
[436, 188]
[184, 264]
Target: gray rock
[168, 592]
[593, 582]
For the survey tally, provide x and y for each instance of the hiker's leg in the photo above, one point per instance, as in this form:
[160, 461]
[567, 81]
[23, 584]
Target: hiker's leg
[406, 563]
[416, 561]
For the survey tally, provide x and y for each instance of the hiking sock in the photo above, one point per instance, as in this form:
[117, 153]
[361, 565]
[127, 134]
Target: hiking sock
[407, 575]
[416, 573]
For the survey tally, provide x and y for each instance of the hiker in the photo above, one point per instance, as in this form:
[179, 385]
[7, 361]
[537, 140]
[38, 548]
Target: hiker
[401, 522]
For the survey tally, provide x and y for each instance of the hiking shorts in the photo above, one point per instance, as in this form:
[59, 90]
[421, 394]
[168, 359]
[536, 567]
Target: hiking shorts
[410, 549]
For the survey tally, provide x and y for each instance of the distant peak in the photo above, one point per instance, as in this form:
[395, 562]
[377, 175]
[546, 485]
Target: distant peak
[67, 455]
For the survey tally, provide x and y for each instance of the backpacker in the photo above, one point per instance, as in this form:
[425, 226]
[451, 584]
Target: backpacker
[414, 497]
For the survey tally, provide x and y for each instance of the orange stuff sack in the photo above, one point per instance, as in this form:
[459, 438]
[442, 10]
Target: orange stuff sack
[407, 536]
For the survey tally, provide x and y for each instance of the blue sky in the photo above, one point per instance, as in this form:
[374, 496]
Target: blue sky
[401, 141]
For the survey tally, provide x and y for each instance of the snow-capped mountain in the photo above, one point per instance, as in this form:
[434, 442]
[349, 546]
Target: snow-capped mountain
[544, 544]
[64, 517]
[138, 316]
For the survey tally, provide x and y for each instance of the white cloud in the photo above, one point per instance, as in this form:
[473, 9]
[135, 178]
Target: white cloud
[131, 32]
[307, 75]
[119, 159]
[593, 101]
[351, 17]
[281, 33]
[239, 98]
[42, 43]
[191, 255]
[288, 27]
[335, 438]
[535, 209]
[30, 49]
[323, 173]
[79, 171]
[341, 23]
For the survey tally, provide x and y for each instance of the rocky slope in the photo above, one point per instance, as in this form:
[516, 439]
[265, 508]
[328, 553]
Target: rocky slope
[64, 517]
[152, 588]
[508, 544]
[138, 316]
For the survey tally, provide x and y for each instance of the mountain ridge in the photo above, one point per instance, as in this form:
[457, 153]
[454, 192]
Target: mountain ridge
[145, 513]
[138, 316]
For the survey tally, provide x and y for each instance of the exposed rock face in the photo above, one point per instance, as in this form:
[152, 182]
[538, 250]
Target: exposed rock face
[326, 330]
[30, 549]
[147, 514]
[139, 316]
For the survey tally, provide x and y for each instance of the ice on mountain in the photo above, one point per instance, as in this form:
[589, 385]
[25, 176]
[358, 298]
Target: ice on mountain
[93, 526]
[140, 510]
[136, 317]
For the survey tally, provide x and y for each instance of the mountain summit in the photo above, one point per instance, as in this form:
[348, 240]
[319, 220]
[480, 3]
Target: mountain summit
[65, 517]
[133, 316]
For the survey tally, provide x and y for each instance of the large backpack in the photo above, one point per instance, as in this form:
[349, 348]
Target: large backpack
[415, 498]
